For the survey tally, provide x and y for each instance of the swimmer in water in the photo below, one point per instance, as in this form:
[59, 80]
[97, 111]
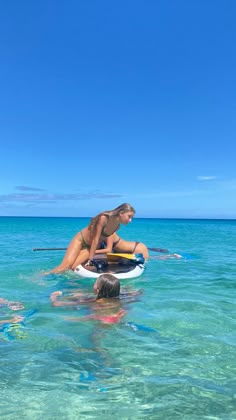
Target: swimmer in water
[106, 304]
[14, 320]
[14, 306]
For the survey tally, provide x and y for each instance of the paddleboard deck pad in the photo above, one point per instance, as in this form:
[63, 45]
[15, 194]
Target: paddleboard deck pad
[123, 266]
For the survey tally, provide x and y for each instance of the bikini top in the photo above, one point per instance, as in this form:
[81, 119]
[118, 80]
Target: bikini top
[104, 233]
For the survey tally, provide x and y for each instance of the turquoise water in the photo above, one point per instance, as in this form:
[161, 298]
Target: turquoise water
[180, 365]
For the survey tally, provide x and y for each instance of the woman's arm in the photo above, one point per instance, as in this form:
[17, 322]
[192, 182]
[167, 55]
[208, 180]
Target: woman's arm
[76, 300]
[56, 302]
[127, 292]
[130, 296]
[108, 248]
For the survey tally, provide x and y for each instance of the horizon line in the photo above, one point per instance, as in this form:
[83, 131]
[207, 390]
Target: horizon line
[161, 218]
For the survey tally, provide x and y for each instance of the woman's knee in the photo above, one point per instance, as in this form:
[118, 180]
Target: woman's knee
[142, 249]
[136, 247]
[82, 257]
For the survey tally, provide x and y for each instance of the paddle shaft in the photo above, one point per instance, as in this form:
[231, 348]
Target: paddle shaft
[49, 249]
[64, 249]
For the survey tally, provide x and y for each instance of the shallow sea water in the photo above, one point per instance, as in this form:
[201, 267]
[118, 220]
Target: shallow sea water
[173, 356]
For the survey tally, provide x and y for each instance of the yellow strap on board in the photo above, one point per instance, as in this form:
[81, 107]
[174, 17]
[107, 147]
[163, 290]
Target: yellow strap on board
[113, 256]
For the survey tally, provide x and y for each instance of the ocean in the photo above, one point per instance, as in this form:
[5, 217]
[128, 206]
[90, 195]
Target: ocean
[173, 356]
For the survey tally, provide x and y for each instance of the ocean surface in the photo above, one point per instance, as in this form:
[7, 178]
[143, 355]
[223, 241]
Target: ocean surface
[173, 356]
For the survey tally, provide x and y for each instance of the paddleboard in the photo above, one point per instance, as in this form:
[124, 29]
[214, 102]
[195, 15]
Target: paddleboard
[121, 265]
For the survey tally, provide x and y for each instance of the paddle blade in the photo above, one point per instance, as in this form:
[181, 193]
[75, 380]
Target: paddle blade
[158, 249]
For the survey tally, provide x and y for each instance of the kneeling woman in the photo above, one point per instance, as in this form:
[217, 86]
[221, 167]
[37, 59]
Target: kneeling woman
[89, 240]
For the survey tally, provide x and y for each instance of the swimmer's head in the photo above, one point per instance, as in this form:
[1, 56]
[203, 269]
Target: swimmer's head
[107, 286]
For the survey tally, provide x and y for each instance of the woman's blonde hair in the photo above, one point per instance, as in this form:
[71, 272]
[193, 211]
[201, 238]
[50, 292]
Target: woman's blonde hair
[123, 208]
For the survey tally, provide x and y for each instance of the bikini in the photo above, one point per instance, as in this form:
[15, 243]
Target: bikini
[135, 245]
[118, 240]
[103, 244]
[84, 243]
[104, 233]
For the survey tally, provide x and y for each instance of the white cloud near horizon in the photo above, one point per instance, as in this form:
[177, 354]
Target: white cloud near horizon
[40, 198]
[206, 178]
[25, 188]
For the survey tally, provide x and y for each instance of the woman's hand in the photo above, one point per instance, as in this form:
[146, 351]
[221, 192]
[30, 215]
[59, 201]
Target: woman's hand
[109, 245]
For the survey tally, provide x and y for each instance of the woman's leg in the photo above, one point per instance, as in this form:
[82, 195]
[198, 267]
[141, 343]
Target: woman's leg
[129, 246]
[71, 255]
[141, 249]
[82, 257]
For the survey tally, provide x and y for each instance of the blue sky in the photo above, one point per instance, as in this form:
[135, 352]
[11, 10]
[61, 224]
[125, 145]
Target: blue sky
[104, 102]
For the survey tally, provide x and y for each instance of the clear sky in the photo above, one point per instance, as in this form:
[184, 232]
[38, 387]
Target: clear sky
[104, 102]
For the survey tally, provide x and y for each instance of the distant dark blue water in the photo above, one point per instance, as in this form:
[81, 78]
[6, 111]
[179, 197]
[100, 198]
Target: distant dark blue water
[171, 357]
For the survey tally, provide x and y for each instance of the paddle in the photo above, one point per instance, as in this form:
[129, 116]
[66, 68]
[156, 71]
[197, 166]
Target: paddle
[49, 249]
[64, 249]
[158, 250]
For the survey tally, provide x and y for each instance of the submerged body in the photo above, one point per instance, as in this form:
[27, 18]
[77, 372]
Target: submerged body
[106, 306]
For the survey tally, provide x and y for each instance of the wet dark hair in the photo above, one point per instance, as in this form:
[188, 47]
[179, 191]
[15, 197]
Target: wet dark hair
[124, 208]
[108, 286]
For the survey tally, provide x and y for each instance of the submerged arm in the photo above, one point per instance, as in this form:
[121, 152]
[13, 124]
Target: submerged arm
[13, 320]
[56, 302]
[127, 292]
[110, 319]
[77, 299]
